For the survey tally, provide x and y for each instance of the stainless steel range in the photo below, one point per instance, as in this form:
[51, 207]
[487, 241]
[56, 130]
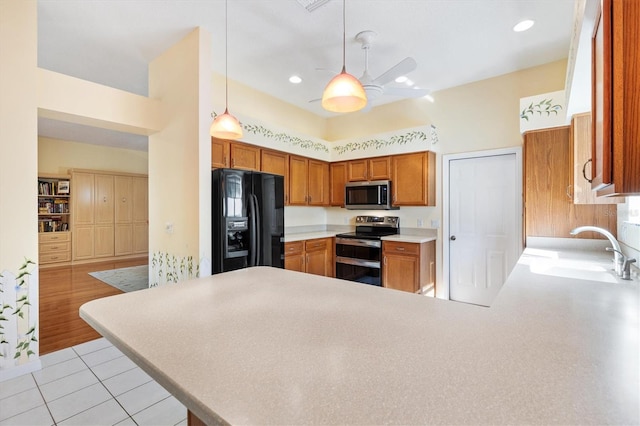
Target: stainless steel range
[359, 254]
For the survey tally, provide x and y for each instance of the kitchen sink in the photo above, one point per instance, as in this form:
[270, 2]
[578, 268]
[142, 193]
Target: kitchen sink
[579, 269]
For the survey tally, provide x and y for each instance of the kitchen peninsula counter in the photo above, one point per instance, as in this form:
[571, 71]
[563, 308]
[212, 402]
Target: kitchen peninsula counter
[270, 346]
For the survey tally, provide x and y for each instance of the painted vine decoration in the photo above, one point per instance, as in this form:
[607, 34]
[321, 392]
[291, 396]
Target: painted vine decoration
[169, 269]
[545, 106]
[381, 143]
[284, 138]
[22, 305]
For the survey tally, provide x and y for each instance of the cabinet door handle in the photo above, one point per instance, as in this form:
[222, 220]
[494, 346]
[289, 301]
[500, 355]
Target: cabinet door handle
[584, 171]
[385, 260]
[568, 192]
[104, 199]
[400, 248]
[124, 200]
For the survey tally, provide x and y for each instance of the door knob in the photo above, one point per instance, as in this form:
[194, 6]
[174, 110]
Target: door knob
[453, 238]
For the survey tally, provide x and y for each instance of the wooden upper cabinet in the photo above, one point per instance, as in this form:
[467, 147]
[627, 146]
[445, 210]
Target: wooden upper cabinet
[236, 155]
[276, 162]
[308, 182]
[245, 157]
[298, 170]
[220, 152]
[549, 207]
[357, 170]
[582, 163]
[338, 179]
[414, 179]
[615, 100]
[318, 183]
[378, 168]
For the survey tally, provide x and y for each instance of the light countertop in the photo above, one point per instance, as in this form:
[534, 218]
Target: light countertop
[409, 238]
[269, 346]
[328, 234]
[309, 235]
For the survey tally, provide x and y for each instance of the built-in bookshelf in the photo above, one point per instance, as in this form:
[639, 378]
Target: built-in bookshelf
[54, 220]
[54, 195]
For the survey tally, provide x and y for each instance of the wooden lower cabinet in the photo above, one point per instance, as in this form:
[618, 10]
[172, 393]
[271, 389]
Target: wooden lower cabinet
[83, 237]
[311, 256]
[54, 247]
[409, 266]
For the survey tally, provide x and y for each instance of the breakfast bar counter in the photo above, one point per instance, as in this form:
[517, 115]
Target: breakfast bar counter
[270, 346]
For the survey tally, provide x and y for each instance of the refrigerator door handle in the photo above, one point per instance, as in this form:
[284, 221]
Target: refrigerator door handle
[252, 232]
[258, 223]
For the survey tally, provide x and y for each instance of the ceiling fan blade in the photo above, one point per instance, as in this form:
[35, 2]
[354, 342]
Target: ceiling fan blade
[406, 92]
[403, 67]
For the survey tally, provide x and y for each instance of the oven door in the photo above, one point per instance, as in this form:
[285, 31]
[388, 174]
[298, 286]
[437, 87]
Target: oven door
[358, 260]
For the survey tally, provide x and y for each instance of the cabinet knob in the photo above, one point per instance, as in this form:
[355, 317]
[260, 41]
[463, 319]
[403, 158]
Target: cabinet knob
[104, 199]
[453, 238]
[124, 200]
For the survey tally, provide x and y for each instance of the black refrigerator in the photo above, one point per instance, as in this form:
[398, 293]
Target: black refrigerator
[248, 219]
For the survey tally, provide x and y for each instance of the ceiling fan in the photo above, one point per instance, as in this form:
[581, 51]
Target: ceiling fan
[376, 87]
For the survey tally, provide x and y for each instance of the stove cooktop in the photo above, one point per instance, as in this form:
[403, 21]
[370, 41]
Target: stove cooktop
[367, 235]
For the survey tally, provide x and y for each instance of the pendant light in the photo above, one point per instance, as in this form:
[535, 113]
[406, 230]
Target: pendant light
[226, 126]
[344, 93]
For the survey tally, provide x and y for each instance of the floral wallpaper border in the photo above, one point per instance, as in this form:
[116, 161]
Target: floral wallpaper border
[285, 138]
[379, 143]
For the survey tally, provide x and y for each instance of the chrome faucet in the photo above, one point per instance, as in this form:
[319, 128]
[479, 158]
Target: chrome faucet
[618, 257]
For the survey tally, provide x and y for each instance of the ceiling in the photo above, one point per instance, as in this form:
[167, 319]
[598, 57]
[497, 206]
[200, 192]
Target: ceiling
[454, 42]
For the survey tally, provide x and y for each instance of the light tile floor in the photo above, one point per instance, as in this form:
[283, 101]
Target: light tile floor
[89, 384]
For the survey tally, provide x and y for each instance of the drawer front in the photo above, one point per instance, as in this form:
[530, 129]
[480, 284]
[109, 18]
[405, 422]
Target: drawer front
[294, 247]
[318, 244]
[55, 247]
[55, 257]
[50, 237]
[400, 247]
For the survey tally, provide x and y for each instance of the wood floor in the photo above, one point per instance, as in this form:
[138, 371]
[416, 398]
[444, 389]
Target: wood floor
[62, 291]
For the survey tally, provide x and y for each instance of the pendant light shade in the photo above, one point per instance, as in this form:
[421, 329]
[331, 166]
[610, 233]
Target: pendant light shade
[226, 126]
[344, 93]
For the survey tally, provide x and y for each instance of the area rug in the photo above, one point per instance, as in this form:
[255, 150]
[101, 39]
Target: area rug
[125, 279]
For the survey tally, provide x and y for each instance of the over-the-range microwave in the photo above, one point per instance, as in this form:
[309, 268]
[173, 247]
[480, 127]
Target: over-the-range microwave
[372, 195]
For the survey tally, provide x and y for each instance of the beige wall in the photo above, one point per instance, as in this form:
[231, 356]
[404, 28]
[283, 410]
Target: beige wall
[180, 154]
[18, 185]
[249, 102]
[58, 156]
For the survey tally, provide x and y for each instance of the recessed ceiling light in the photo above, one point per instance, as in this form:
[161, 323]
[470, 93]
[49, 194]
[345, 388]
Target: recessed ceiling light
[295, 79]
[429, 98]
[523, 25]
[401, 79]
[408, 82]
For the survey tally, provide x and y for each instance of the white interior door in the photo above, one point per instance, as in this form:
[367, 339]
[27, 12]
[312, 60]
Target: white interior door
[484, 237]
